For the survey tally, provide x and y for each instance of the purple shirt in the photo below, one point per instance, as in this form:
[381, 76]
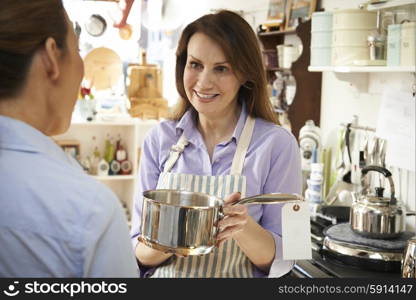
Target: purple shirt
[272, 165]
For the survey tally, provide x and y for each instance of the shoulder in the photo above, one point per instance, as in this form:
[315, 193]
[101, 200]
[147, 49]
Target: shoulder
[268, 135]
[165, 130]
[61, 195]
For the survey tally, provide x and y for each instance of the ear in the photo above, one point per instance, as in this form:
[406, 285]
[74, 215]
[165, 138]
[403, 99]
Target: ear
[50, 58]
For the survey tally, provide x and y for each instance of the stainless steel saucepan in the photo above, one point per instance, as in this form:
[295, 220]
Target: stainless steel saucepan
[185, 223]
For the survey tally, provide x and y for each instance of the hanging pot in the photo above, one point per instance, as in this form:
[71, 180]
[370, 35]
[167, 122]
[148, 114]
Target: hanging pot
[375, 216]
[185, 223]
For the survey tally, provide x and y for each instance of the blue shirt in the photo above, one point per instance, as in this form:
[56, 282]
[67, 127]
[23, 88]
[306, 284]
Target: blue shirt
[55, 220]
[272, 165]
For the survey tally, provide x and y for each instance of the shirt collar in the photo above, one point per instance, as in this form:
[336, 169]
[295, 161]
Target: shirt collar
[17, 135]
[187, 125]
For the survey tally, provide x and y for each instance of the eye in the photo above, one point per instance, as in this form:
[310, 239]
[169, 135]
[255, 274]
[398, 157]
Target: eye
[195, 65]
[221, 69]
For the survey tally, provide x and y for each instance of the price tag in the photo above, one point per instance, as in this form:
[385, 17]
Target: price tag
[296, 231]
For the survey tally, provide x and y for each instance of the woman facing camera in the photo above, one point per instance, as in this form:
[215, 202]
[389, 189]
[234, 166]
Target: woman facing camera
[229, 145]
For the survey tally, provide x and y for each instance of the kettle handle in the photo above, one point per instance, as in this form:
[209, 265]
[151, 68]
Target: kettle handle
[386, 174]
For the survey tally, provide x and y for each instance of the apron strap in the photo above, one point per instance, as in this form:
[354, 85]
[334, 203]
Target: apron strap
[239, 156]
[175, 152]
[242, 147]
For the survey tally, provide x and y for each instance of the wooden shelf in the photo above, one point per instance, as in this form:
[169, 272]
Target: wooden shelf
[115, 177]
[306, 104]
[274, 33]
[361, 69]
[278, 69]
[390, 4]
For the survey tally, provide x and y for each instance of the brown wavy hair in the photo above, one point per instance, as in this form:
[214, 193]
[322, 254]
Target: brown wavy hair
[241, 48]
[24, 27]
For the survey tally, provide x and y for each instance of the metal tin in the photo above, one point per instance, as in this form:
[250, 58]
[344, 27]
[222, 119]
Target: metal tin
[345, 55]
[321, 21]
[408, 44]
[354, 19]
[393, 44]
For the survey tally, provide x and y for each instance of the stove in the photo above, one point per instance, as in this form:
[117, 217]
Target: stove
[326, 263]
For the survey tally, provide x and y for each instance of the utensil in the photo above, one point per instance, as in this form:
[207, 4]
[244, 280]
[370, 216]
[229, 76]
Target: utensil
[341, 191]
[96, 25]
[347, 174]
[409, 259]
[185, 223]
[375, 216]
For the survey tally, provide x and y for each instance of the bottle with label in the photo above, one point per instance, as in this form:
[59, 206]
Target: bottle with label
[125, 165]
[115, 166]
[103, 168]
[109, 149]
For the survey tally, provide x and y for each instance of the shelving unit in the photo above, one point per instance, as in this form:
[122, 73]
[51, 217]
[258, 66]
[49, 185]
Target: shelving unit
[363, 69]
[390, 4]
[131, 132]
[307, 102]
[274, 33]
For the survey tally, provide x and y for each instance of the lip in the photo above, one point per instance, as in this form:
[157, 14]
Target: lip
[203, 99]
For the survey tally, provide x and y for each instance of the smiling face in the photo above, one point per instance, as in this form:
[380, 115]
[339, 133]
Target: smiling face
[209, 80]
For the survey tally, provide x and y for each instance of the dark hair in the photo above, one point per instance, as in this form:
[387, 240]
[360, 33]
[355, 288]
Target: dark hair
[24, 27]
[241, 48]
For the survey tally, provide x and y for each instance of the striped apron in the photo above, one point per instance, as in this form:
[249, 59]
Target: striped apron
[228, 260]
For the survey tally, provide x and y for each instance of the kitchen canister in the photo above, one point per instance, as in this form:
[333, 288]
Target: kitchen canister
[393, 45]
[408, 44]
[350, 30]
[321, 39]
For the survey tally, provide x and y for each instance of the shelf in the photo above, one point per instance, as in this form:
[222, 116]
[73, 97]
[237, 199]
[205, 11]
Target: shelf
[102, 123]
[360, 69]
[116, 123]
[115, 177]
[390, 4]
[278, 69]
[274, 33]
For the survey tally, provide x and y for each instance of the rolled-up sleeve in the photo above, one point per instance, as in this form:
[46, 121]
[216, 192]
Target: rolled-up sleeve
[284, 177]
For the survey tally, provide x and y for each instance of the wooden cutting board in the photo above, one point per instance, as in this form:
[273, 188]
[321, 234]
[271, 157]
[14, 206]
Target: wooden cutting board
[103, 68]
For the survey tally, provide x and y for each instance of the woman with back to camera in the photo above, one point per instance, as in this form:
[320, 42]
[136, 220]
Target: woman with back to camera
[55, 221]
[223, 106]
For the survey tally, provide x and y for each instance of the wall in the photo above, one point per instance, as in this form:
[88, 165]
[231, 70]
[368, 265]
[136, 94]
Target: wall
[360, 94]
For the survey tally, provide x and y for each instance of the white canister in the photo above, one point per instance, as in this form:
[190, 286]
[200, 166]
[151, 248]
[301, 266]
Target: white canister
[393, 45]
[320, 56]
[350, 37]
[354, 19]
[321, 38]
[345, 56]
[321, 21]
[408, 44]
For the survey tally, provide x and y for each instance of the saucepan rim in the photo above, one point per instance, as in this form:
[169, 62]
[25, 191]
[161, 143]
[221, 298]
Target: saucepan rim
[219, 203]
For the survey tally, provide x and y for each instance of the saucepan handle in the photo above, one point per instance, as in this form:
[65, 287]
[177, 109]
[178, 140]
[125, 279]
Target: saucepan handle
[272, 198]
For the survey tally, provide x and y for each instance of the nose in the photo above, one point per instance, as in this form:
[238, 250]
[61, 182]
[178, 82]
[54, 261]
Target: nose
[205, 79]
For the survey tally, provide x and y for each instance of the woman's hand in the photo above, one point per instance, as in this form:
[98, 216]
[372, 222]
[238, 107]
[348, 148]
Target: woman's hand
[235, 220]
